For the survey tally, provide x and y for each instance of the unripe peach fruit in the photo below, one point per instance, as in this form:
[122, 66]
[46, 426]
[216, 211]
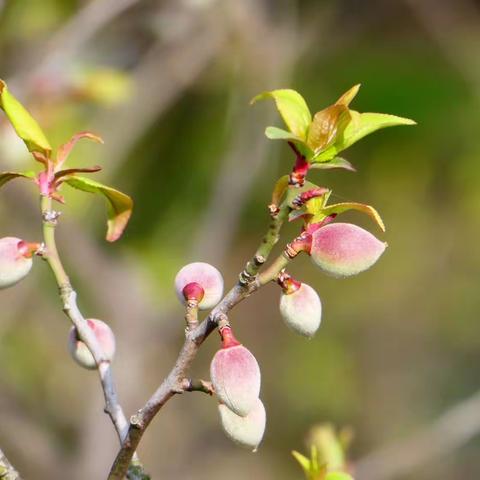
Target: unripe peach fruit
[204, 275]
[301, 310]
[245, 431]
[235, 375]
[343, 249]
[79, 351]
[15, 260]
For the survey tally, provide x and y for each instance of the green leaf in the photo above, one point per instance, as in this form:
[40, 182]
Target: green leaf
[344, 207]
[279, 190]
[7, 176]
[338, 476]
[361, 125]
[274, 133]
[336, 162]
[119, 205]
[326, 125]
[348, 96]
[292, 108]
[303, 461]
[65, 149]
[23, 123]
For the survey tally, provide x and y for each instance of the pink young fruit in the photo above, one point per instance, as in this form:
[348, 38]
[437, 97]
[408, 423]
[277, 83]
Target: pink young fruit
[343, 249]
[79, 351]
[204, 275]
[245, 431]
[301, 310]
[15, 260]
[235, 375]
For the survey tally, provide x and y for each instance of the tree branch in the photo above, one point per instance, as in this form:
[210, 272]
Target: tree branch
[86, 334]
[175, 381]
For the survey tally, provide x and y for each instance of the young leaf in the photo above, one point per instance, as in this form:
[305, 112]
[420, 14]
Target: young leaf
[7, 176]
[338, 476]
[343, 207]
[361, 125]
[336, 162]
[292, 108]
[119, 205]
[23, 123]
[65, 149]
[326, 125]
[303, 461]
[279, 190]
[275, 133]
[348, 96]
[70, 171]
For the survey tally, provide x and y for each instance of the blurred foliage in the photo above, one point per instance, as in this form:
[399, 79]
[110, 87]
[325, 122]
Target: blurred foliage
[398, 344]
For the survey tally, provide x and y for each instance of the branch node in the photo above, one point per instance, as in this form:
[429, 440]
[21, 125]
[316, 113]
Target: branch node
[51, 216]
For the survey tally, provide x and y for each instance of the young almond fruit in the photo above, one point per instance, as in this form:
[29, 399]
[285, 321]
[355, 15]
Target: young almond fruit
[202, 278]
[245, 431]
[15, 260]
[343, 249]
[300, 308]
[79, 351]
[235, 375]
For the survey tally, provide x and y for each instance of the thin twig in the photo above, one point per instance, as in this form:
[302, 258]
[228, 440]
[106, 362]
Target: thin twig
[86, 334]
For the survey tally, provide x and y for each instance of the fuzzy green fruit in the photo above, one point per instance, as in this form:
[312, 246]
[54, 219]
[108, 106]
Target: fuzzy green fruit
[301, 310]
[244, 431]
[79, 351]
[15, 261]
[343, 249]
[205, 276]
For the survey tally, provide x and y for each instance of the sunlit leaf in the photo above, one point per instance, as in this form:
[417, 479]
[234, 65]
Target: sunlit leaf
[360, 125]
[5, 177]
[338, 476]
[274, 133]
[65, 149]
[279, 190]
[23, 123]
[119, 205]
[326, 125]
[336, 162]
[70, 171]
[348, 96]
[292, 108]
[303, 461]
[344, 207]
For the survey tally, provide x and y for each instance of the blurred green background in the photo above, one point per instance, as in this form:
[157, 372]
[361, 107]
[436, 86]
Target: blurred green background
[167, 85]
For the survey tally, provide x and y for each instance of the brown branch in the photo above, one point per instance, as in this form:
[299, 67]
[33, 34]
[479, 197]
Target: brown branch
[174, 382]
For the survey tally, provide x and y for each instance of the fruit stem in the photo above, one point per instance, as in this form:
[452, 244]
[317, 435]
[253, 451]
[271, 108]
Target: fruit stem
[288, 283]
[191, 314]
[228, 338]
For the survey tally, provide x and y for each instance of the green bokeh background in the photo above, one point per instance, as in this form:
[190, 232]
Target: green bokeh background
[167, 84]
